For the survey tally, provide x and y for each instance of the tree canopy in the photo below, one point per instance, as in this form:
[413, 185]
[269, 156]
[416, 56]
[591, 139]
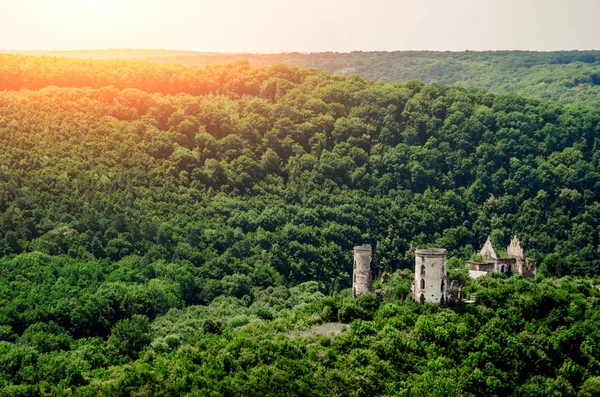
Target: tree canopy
[164, 228]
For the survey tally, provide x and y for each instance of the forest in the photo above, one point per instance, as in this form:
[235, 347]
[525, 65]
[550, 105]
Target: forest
[164, 229]
[568, 77]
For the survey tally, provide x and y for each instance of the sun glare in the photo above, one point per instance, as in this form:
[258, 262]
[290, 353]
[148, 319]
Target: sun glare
[88, 12]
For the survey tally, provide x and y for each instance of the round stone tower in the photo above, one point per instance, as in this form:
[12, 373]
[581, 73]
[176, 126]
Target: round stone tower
[362, 280]
[431, 276]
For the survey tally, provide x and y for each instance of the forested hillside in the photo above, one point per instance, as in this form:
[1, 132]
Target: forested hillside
[568, 77]
[128, 189]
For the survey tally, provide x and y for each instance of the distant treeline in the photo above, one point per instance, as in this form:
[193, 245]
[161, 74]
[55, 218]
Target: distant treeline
[570, 77]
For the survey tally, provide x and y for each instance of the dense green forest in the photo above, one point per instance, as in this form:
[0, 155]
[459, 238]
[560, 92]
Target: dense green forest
[568, 77]
[571, 77]
[163, 228]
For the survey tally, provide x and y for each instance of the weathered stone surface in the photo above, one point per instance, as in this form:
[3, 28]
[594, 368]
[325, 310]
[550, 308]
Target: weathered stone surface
[362, 279]
[454, 293]
[528, 268]
[515, 263]
[488, 252]
[514, 249]
[431, 276]
[506, 265]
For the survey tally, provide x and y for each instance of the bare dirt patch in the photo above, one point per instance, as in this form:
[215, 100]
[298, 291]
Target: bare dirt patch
[328, 329]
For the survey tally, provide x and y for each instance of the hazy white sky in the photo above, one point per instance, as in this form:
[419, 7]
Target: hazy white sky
[300, 25]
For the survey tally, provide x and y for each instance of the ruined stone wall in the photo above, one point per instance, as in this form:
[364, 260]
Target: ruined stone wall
[514, 249]
[529, 268]
[454, 293]
[506, 265]
[431, 276]
[488, 252]
[515, 263]
[362, 279]
[482, 267]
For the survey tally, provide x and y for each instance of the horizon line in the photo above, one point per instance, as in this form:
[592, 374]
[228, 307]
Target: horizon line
[287, 52]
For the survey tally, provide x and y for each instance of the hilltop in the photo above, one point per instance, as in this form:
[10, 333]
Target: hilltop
[568, 77]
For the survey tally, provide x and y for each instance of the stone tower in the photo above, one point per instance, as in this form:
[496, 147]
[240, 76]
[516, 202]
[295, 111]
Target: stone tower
[431, 276]
[362, 280]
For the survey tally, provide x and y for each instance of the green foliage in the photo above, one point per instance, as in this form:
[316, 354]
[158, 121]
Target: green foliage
[571, 77]
[129, 336]
[457, 271]
[168, 229]
[279, 188]
[590, 388]
[45, 337]
[517, 345]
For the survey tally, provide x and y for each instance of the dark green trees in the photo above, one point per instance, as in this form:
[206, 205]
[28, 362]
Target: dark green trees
[124, 207]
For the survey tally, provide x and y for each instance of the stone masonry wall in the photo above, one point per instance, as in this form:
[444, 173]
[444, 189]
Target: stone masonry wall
[431, 277]
[362, 279]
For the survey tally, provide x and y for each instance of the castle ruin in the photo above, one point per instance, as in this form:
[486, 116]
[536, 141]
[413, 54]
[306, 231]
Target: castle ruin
[431, 276]
[430, 284]
[515, 261]
[362, 279]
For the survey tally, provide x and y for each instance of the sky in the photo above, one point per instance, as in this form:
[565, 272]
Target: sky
[270, 26]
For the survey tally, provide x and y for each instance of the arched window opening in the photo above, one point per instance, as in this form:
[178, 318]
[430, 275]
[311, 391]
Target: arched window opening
[422, 283]
[422, 270]
[502, 269]
[443, 285]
